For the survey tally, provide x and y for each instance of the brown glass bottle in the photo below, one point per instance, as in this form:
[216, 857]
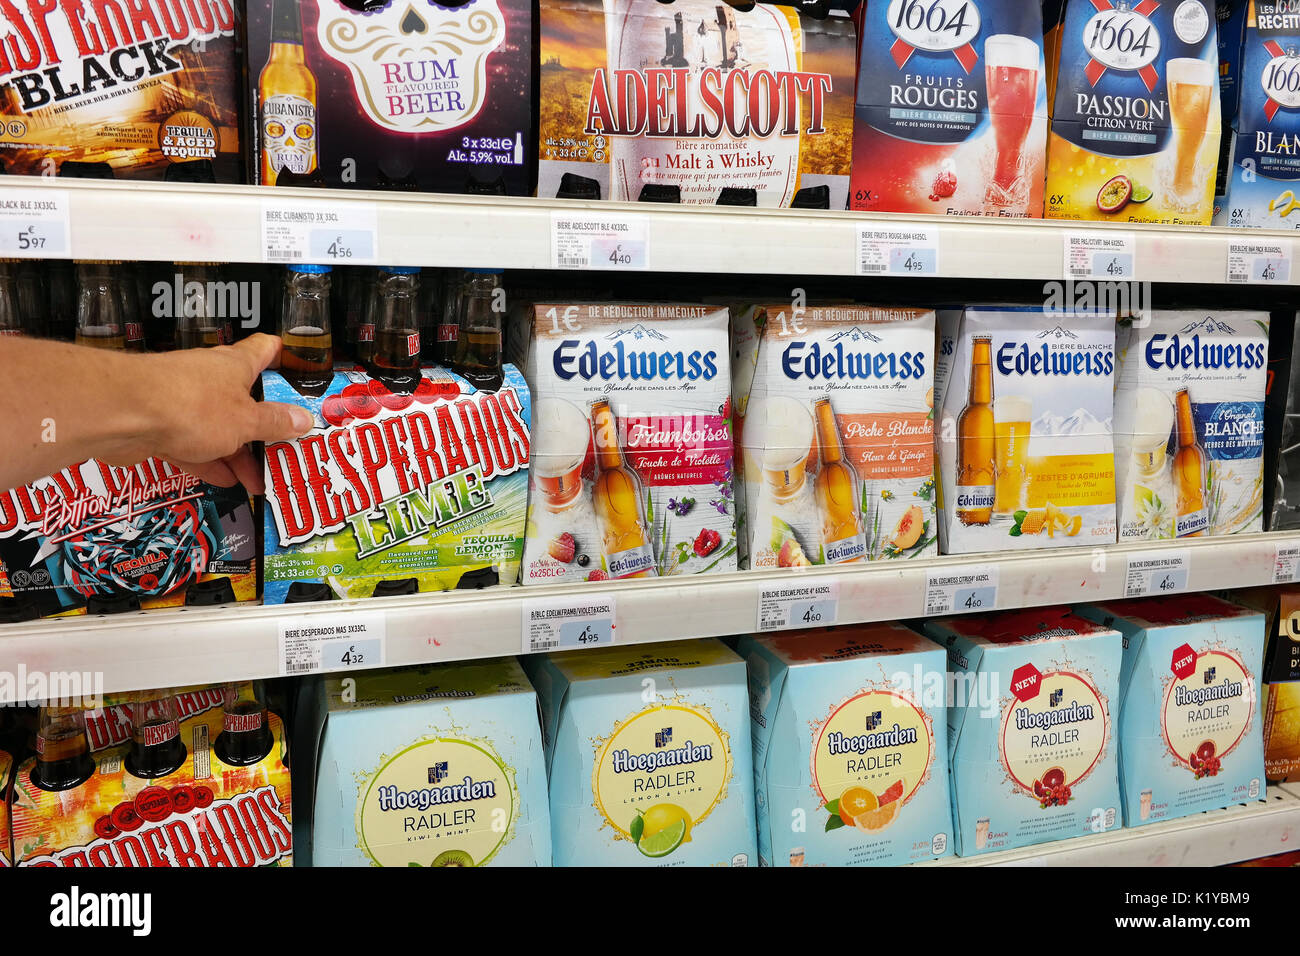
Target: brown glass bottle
[245, 737]
[63, 759]
[156, 745]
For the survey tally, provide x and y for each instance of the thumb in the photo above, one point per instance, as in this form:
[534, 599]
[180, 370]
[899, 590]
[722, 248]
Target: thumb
[276, 421]
[259, 351]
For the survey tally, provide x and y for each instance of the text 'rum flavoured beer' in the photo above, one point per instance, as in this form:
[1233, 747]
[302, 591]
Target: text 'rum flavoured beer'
[156, 745]
[245, 737]
[306, 359]
[976, 442]
[837, 493]
[63, 759]
[287, 97]
[618, 499]
[1189, 472]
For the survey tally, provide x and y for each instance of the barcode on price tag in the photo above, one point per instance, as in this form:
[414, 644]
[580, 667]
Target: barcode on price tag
[320, 643]
[613, 241]
[1157, 572]
[1109, 256]
[963, 590]
[1259, 263]
[34, 223]
[556, 624]
[319, 232]
[1286, 564]
[901, 251]
[802, 604]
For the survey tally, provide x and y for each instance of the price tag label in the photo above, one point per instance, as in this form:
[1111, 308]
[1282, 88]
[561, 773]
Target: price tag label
[320, 643]
[1286, 564]
[319, 232]
[34, 223]
[556, 624]
[1157, 573]
[613, 241]
[1112, 256]
[961, 590]
[798, 604]
[1259, 263]
[898, 251]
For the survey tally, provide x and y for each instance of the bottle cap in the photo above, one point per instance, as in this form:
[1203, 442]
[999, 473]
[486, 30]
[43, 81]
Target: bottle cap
[310, 269]
[400, 270]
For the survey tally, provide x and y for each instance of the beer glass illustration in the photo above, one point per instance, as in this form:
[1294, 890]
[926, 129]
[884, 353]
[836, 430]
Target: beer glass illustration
[1012, 420]
[561, 436]
[787, 444]
[1145, 805]
[1191, 95]
[981, 833]
[1011, 74]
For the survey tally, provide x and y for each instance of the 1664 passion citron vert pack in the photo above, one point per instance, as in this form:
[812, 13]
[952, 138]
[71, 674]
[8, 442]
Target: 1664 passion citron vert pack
[649, 755]
[424, 486]
[201, 782]
[850, 733]
[632, 459]
[1136, 115]
[142, 87]
[695, 101]
[951, 108]
[1031, 728]
[429, 766]
[837, 434]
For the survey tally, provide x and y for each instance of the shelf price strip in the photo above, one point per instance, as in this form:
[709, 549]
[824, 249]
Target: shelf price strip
[319, 232]
[614, 242]
[1157, 573]
[897, 251]
[1259, 263]
[1286, 564]
[1111, 256]
[34, 224]
[964, 590]
[320, 643]
[798, 604]
[561, 624]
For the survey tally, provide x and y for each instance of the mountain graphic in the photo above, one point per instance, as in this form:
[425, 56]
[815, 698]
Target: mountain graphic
[1056, 333]
[1212, 325]
[856, 334]
[638, 332]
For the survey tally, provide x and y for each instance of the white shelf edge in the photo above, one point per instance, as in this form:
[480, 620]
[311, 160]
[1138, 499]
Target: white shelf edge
[206, 645]
[222, 224]
[1211, 838]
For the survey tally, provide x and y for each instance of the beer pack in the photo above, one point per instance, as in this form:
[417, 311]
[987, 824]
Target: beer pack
[1136, 118]
[6, 779]
[632, 468]
[1047, 766]
[694, 101]
[837, 435]
[1280, 703]
[1189, 722]
[142, 87]
[99, 538]
[429, 766]
[951, 109]
[1263, 118]
[205, 812]
[1189, 424]
[394, 492]
[392, 95]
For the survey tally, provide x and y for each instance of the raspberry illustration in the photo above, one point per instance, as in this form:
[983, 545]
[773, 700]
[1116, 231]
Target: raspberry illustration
[562, 548]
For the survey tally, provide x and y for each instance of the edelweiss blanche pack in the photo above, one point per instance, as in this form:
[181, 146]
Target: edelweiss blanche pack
[1026, 453]
[1189, 425]
[632, 443]
[837, 435]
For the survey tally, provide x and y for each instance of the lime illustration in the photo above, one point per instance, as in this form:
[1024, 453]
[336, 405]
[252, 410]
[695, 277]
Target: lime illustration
[665, 841]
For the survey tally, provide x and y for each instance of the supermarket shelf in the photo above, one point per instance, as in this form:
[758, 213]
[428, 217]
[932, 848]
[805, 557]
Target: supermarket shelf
[1212, 838]
[205, 645]
[222, 223]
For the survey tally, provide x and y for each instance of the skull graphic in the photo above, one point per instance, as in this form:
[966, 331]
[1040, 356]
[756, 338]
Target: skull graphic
[416, 66]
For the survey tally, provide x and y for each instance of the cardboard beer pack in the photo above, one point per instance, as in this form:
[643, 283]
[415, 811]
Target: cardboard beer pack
[951, 108]
[143, 87]
[1189, 726]
[1028, 397]
[6, 780]
[1135, 124]
[649, 755]
[1189, 424]
[850, 729]
[837, 434]
[429, 766]
[392, 95]
[1264, 119]
[105, 538]
[632, 461]
[397, 492]
[695, 101]
[204, 813]
[1231, 17]
[1047, 767]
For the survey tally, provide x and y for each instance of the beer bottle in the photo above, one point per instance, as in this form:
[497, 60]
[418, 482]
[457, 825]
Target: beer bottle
[976, 445]
[364, 346]
[427, 316]
[307, 357]
[63, 759]
[286, 91]
[10, 323]
[245, 737]
[395, 352]
[156, 745]
[197, 326]
[836, 490]
[29, 297]
[449, 323]
[62, 302]
[478, 342]
[619, 502]
[1190, 466]
[123, 277]
[100, 322]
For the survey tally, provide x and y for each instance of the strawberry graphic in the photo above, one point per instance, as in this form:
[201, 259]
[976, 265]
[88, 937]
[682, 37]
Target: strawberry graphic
[707, 542]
